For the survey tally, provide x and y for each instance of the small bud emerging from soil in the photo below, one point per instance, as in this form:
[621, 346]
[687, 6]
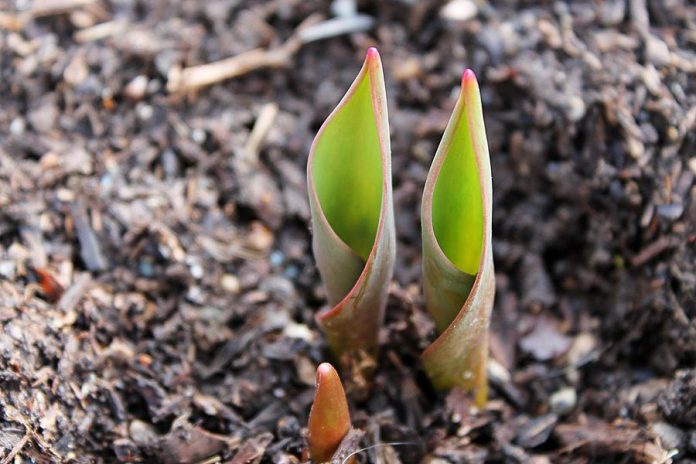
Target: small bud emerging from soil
[329, 419]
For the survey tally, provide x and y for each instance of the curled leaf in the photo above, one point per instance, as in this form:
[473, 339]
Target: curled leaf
[350, 198]
[458, 276]
[329, 419]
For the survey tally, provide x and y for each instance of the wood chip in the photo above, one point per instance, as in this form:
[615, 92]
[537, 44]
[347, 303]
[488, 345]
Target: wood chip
[258, 134]
[100, 31]
[90, 248]
[600, 439]
[253, 450]
[74, 294]
[188, 443]
[651, 251]
[196, 77]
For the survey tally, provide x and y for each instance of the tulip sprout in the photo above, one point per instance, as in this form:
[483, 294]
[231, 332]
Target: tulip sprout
[329, 419]
[458, 276]
[350, 197]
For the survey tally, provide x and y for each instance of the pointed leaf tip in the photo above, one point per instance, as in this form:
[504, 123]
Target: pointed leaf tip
[372, 54]
[468, 77]
[329, 418]
[324, 371]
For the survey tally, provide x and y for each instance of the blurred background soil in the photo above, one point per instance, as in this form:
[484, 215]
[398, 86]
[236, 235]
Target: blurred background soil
[157, 289]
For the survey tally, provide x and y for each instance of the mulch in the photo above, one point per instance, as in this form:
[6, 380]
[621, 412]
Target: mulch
[157, 288]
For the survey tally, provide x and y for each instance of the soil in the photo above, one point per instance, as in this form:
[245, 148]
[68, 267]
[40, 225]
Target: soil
[157, 288]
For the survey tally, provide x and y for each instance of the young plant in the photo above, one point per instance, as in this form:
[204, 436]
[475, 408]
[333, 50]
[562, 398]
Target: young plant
[350, 198]
[458, 277]
[329, 418]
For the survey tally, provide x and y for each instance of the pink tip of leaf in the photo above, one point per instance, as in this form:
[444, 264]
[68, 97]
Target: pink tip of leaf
[372, 53]
[468, 76]
[323, 370]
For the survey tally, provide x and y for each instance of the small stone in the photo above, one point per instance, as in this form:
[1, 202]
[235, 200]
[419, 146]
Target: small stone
[144, 112]
[77, 71]
[563, 401]
[136, 88]
[583, 344]
[49, 160]
[301, 331]
[260, 237]
[459, 10]
[196, 270]
[291, 272]
[670, 436]
[671, 212]
[18, 126]
[230, 284]
[575, 109]
[65, 195]
[657, 51]
[7, 269]
[142, 433]
[195, 295]
[276, 258]
[497, 372]
[198, 135]
[692, 164]
[532, 432]
[145, 268]
[634, 147]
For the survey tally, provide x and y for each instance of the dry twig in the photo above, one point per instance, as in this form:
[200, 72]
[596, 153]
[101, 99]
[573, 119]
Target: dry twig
[40, 9]
[195, 77]
[258, 134]
[17, 448]
[100, 31]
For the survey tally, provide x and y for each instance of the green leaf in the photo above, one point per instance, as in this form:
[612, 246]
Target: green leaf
[458, 276]
[350, 197]
[329, 418]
